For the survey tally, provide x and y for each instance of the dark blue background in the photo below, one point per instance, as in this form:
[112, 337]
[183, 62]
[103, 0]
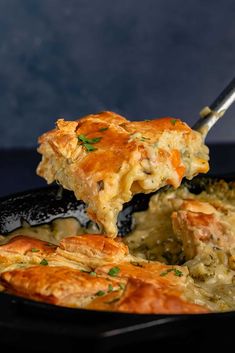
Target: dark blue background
[140, 58]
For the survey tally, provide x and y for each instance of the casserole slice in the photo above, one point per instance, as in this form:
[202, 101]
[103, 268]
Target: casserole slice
[106, 159]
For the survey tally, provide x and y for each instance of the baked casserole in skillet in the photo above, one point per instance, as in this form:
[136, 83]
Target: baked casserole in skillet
[179, 256]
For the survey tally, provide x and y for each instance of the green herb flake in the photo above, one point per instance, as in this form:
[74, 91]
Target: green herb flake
[147, 120]
[89, 147]
[164, 273]
[103, 129]
[44, 262]
[122, 286]
[85, 139]
[92, 273]
[114, 271]
[88, 142]
[35, 250]
[177, 272]
[173, 121]
[144, 139]
[100, 293]
[110, 288]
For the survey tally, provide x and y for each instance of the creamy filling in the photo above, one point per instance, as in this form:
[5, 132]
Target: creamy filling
[211, 279]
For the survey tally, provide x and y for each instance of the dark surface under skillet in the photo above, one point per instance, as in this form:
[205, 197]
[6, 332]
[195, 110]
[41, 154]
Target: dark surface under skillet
[44, 327]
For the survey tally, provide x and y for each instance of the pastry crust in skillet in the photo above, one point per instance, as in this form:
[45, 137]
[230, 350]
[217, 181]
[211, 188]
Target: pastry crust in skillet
[198, 224]
[104, 269]
[93, 250]
[73, 288]
[151, 288]
[56, 285]
[141, 297]
[105, 159]
[161, 275]
[24, 249]
[139, 282]
[145, 298]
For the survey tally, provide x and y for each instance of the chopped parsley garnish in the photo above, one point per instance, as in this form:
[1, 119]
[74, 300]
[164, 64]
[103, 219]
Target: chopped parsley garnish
[110, 288]
[85, 139]
[44, 262]
[88, 142]
[122, 286]
[100, 293]
[103, 129]
[144, 138]
[35, 250]
[173, 121]
[92, 273]
[147, 120]
[114, 271]
[177, 272]
[89, 147]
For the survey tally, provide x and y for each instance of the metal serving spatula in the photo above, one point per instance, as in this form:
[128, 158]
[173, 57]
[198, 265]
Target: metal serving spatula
[210, 115]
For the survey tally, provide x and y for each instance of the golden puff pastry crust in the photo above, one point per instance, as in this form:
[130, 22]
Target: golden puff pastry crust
[106, 159]
[25, 249]
[146, 298]
[198, 224]
[93, 250]
[161, 275]
[56, 285]
[93, 272]
[143, 297]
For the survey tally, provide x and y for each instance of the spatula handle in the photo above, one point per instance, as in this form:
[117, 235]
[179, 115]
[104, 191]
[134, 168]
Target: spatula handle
[210, 115]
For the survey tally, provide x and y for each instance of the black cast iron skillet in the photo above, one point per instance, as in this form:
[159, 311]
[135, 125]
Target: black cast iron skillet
[35, 326]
